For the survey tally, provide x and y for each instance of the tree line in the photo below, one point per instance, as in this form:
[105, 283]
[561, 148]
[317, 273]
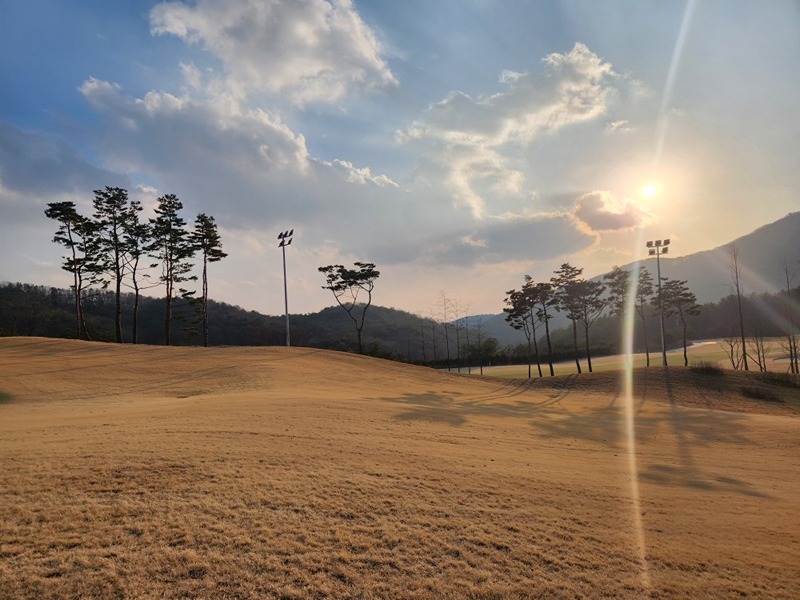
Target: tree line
[742, 322]
[115, 247]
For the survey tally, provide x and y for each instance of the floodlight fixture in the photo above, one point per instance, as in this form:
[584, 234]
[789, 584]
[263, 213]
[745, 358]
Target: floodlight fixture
[285, 238]
[657, 248]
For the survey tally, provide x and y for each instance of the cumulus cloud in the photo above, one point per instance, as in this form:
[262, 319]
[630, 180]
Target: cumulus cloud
[200, 145]
[601, 211]
[308, 50]
[362, 175]
[475, 138]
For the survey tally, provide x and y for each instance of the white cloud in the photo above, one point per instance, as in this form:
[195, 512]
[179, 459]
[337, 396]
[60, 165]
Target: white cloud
[362, 175]
[601, 211]
[478, 144]
[308, 50]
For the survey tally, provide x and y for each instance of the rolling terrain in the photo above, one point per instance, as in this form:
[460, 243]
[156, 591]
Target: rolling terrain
[141, 471]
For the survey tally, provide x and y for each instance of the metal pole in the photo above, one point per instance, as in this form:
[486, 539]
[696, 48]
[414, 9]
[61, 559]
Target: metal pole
[286, 296]
[661, 309]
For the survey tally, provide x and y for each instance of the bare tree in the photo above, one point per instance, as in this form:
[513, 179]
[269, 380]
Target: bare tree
[736, 280]
[444, 302]
[731, 345]
[791, 335]
[349, 284]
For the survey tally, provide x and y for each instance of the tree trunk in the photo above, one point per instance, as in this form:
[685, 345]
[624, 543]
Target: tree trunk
[205, 302]
[644, 335]
[588, 352]
[549, 346]
[118, 308]
[575, 345]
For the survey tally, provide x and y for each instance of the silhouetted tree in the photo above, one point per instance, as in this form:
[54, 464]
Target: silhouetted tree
[172, 247]
[349, 283]
[565, 284]
[207, 242]
[521, 315]
[76, 233]
[545, 300]
[644, 291]
[137, 238]
[111, 215]
[617, 282]
[590, 304]
[679, 299]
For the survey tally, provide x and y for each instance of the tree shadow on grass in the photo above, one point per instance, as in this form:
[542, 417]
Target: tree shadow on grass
[694, 478]
[448, 407]
[602, 425]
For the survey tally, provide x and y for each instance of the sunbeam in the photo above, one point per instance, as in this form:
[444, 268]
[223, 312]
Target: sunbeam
[666, 97]
[630, 422]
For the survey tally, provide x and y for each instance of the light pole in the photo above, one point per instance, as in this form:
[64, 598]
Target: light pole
[285, 238]
[657, 248]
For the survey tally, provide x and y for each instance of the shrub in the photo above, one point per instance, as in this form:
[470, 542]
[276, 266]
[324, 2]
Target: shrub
[781, 379]
[759, 393]
[706, 368]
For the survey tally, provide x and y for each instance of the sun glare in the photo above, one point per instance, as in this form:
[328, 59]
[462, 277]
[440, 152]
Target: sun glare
[649, 190]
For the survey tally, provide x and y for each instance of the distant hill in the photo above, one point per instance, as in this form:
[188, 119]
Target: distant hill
[762, 254]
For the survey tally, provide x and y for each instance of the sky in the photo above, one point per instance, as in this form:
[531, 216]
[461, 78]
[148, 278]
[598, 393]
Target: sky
[458, 145]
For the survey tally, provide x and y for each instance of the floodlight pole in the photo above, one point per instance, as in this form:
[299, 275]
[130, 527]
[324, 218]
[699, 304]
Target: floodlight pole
[657, 248]
[285, 238]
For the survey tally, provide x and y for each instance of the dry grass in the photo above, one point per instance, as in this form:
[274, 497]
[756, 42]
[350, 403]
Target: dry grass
[295, 473]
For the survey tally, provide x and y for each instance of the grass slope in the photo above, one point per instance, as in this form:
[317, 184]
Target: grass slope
[294, 473]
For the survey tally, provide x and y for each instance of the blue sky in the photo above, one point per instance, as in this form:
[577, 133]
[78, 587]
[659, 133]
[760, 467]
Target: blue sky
[457, 144]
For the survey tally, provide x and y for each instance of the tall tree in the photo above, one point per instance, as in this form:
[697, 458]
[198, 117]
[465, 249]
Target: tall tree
[76, 233]
[111, 213]
[791, 336]
[349, 284]
[644, 291]
[590, 304]
[679, 299]
[565, 282]
[172, 247]
[545, 300]
[520, 314]
[207, 242]
[137, 238]
[617, 282]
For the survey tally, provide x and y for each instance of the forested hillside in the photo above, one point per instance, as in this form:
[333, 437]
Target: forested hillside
[30, 310]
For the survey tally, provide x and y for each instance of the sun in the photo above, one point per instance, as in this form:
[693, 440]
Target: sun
[649, 190]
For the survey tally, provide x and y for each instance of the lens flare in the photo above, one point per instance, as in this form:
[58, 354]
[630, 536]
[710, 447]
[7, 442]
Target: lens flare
[630, 420]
